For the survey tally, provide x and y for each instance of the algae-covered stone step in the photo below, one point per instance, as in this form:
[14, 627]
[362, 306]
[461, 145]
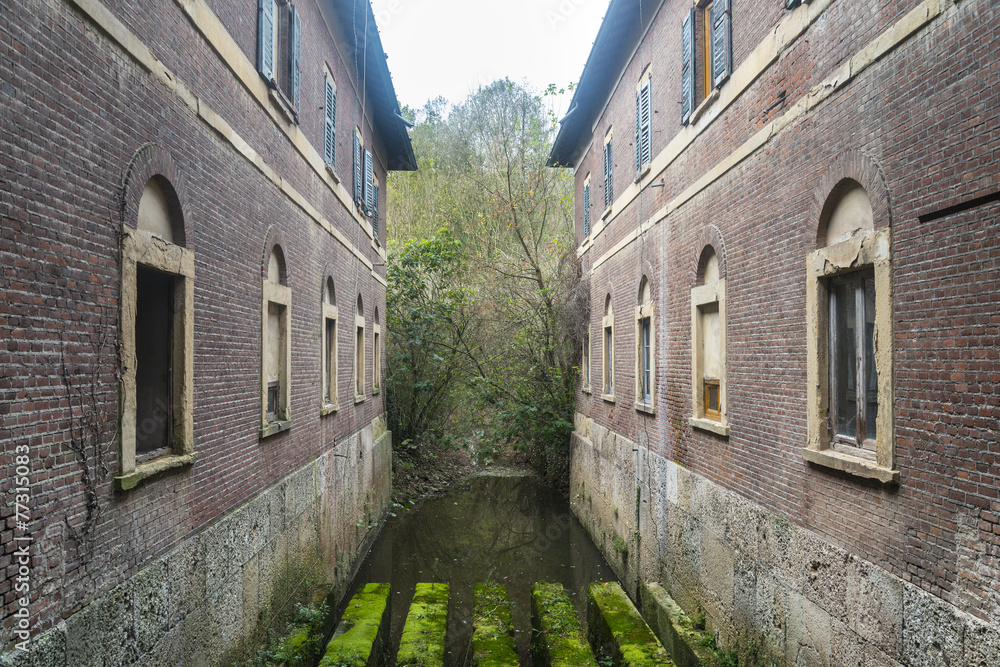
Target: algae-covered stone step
[361, 636]
[557, 635]
[675, 629]
[618, 631]
[422, 644]
[493, 642]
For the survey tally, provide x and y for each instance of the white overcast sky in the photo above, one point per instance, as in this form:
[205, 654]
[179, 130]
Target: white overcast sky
[451, 47]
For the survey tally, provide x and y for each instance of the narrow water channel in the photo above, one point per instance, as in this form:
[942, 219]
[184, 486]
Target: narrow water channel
[511, 530]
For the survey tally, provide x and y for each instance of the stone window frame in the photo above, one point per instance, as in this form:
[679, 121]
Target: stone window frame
[644, 311]
[279, 294]
[376, 354]
[608, 160]
[586, 362]
[141, 247]
[329, 349]
[863, 250]
[359, 351]
[703, 295]
[608, 351]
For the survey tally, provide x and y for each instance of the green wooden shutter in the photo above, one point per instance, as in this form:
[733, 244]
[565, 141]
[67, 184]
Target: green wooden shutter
[645, 94]
[609, 196]
[375, 211]
[722, 41]
[687, 67]
[357, 168]
[586, 210]
[296, 41]
[638, 133]
[265, 38]
[330, 123]
[369, 180]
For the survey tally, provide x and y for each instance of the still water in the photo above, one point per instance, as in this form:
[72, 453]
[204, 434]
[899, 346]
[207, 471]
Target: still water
[511, 530]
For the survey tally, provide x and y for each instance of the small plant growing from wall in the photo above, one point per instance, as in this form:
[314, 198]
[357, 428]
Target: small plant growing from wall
[620, 545]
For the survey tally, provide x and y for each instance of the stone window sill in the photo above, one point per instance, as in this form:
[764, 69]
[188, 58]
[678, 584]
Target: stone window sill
[608, 398]
[284, 106]
[359, 398]
[852, 465]
[704, 106]
[153, 468]
[376, 391]
[607, 212]
[332, 173]
[328, 409]
[588, 390]
[709, 425]
[648, 408]
[643, 173]
[273, 428]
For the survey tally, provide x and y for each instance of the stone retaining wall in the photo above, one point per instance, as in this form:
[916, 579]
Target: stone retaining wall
[751, 571]
[207, 600]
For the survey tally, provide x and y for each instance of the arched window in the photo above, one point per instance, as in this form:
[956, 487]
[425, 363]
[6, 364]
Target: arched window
[157, 338]
[276, 347]
[608, 364]
[849, 319]
[645, 371]
[359, 351]
[708, 346]
[329, 346]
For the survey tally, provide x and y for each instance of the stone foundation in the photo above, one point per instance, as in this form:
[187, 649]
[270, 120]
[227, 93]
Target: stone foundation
[755, 573]
[208, 600]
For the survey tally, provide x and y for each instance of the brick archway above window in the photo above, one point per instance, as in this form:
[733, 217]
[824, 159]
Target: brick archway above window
[710, 236]
[273, 238]
[147, 162]
[856, 165]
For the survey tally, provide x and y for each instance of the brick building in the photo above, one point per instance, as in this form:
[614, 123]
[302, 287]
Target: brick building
[755, 180]
[193, 279]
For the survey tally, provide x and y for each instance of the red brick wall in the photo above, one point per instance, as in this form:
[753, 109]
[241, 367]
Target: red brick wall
[74, 109]
[927, 115]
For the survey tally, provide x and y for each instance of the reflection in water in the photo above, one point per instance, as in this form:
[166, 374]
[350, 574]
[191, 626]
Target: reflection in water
[511, 530]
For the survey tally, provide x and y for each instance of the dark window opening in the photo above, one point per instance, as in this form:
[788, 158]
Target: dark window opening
[647, 390]
[329, 362]
[853, 375]
[154, 314]
[272, 400]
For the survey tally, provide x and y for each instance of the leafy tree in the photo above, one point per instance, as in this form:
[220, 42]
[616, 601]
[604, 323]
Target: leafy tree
[483, 177]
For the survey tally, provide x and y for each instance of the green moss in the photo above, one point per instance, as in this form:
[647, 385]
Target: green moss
[617, 627]
[426, 623]
[558, 638]
[355, 638]
[492, 635]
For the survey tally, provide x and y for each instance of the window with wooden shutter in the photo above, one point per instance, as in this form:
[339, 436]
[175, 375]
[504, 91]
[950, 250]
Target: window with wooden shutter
[687, 67]
[357, 167]
[722, 41]
[609, 185]
[296, 56]
[330, 123]
[375, 210]
[369, 181]
[265, 38]
[586, 208]
[643, 113]
[645, 107]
